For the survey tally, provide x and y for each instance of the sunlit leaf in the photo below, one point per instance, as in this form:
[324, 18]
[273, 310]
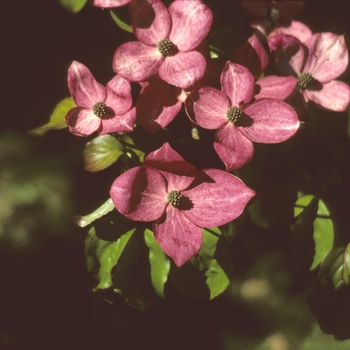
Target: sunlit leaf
[73, 6]
[314, 219]
[120, 18]
[85, 220]
[109, 257]
[57, 119]
[160, 263]
[132, 276]
[101, 152]
[206, 275]
[323, 234]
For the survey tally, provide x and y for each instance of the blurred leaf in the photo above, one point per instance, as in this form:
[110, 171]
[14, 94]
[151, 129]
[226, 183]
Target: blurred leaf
[206, 274]
[314, 220]
[73, 6]
[101, 152]
[160, 263]
[57, 119]
[336, 267]
[120, 17]
[85, 220]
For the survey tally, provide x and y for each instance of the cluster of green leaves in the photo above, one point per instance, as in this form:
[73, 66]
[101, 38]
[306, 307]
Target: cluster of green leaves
[125, 258]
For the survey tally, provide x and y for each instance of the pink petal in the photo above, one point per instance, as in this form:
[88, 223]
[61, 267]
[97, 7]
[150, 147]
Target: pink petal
[237, 83]
[191, 22]
[82, 121]
[157, 106]
[273, 86]
[83, 87]
[217, 197]
[207, 107]
[328, 56]
[234, 149]
[289, 54]
[150, 21]
[110, 3]
[334, 96]
[252, 55]
[183, 69]
[177, 236]
[296, 29]
[116, 103]
[136, 62]
[118, 123]
[140, 194]
[120, 86]
[273, 121]
[166, 159]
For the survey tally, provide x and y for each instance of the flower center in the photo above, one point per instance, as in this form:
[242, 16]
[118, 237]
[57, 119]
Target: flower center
[234, 114]
[99, 109]
[274, 15]
[174, 198]
[304, 79]
[165, 46]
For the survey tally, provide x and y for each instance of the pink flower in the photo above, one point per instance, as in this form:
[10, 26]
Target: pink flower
[314, 67]
[102, 109]
[239, 119]
[167, 42]
[179, 200]
[111, 3]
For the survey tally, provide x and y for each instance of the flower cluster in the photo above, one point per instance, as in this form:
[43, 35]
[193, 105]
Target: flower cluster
[234, 95]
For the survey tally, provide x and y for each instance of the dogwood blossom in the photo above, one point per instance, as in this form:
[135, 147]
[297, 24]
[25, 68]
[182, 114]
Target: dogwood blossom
[239, 119]
[102, 109]
[168, 38]
[314, 68]
[179, 200]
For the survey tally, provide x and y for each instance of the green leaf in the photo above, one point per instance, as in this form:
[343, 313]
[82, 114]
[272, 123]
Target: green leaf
[101, 152]
[323, 234]
[57, 119]
[85, 220]
[109, 258]
[160, 263]
[314, 219]
[336, 267]
[103, 255]
[73, 6]
[132, 276]
[206, 275]
[120, 17]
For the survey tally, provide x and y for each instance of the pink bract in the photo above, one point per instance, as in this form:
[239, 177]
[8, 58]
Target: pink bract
[102, 109]
[314, 66]
[111, 3]
[179, 200]
[167, 44]
[239, 119]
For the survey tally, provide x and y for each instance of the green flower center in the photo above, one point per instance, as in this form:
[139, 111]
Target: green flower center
[304, 79]
[99, 109]
[274, 15]
[165, 46]
[234, 114]
[174, 198]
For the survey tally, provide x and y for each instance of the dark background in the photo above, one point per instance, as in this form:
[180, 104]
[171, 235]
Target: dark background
[46, 300]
